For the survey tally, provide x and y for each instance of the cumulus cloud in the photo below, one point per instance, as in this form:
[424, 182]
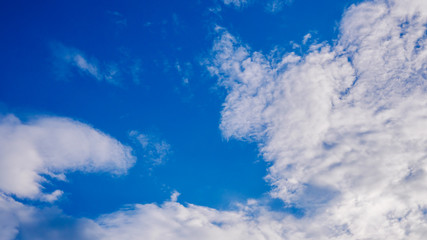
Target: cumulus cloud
[173, 220]
[49, 147]
[19, 221]
[345, 125]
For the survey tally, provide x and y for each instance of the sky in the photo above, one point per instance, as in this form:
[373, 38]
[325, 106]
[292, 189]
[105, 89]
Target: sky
[217, 119]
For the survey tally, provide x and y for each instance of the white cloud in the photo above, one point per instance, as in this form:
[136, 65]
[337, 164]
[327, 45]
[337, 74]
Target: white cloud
[19, 221]
[51, 146]
[275, 6]
[172, 220]
[156, 151]
[10, 211]
[236, 3]
[344, 126]
[272, 6]
[306, 38]
[185, 71]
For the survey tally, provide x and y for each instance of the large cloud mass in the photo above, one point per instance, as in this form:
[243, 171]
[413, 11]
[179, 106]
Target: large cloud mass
[345, 125]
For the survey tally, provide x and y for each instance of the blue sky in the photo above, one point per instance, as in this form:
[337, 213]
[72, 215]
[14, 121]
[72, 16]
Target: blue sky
[225, 119]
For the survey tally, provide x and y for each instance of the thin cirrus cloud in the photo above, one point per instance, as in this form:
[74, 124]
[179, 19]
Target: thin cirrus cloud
[155, 151]
[48, 147]
[236, 3]
[271, 6]
[68, 60]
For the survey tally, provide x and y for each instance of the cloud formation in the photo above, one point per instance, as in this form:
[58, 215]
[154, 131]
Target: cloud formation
[172, 220]
[49, 147]
[344, 125]
[19, 221]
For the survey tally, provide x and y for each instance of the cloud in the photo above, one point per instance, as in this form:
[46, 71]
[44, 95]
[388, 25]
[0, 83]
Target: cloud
[172, 220]
[275, 6]
[68, 59]
[306, 38]
[155, 151]
[48, 147]
[343, 126]
[236, 3]
[185, 70]
[118, 18]
[19, 221]
[272, 6]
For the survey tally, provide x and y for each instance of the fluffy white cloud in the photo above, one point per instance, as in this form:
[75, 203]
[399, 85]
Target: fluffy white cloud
[345, 125]
[52, 146]
[172, 220]
[19, 221]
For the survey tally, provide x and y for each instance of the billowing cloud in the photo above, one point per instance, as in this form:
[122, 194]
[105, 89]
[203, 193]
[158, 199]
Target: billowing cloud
[172, 220]
[345, 125]
[19, 221]
[50, 147]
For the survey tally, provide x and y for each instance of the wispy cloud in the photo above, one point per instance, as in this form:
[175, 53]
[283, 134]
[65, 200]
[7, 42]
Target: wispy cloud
[156, 151]
[118, 18]
[236, 3]
[69, 59]
[275, 6]
[272, 6]
[185, 71]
